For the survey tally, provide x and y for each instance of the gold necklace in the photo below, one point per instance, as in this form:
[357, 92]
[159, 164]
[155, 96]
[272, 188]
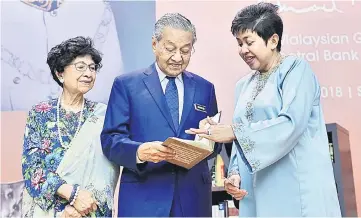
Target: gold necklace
[261, 81]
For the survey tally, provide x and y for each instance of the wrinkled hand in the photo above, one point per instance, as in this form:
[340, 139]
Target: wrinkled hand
[232, 184]
[154, 152]
[70, 212]
[218, 133]
[85, 203]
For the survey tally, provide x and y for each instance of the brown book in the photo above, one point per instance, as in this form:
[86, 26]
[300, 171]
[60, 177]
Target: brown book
[190, 152]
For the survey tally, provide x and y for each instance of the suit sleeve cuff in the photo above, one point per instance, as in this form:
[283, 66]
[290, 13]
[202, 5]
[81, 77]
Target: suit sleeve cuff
[138, 160]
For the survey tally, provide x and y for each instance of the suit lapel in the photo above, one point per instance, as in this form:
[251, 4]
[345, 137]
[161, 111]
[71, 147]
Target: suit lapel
[189, 90]
[151, 81]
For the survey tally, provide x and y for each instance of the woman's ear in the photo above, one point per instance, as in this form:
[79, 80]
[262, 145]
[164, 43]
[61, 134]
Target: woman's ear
[60, 76]
[273, 41]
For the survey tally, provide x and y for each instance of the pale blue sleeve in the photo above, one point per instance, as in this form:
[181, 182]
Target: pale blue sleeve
[265, 142]
[233, 162]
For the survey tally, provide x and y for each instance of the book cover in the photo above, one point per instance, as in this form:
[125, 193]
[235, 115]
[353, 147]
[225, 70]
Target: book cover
[191, 152]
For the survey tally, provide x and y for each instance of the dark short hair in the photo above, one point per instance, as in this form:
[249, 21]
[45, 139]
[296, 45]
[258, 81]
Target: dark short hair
[63, 54]
[261, 18]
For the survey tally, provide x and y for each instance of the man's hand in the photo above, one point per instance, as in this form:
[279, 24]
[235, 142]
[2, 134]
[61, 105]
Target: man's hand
[232, 184]
[154, 152]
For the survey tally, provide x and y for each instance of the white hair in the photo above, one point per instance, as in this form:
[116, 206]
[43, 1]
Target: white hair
[176, 21]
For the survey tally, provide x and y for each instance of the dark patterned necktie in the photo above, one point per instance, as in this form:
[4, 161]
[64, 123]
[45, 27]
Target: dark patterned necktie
[171, 95]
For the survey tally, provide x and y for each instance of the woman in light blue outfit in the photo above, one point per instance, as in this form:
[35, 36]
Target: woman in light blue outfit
[280, 163]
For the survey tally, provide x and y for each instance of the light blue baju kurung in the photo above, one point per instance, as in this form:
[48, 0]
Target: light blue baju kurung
[281, 151]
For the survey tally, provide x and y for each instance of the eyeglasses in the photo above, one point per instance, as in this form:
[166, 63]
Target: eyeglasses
[82, 67]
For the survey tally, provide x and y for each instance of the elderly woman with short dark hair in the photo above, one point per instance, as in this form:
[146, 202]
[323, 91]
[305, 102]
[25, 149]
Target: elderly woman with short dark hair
[64, 169]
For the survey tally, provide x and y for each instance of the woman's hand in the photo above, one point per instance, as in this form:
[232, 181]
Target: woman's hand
[70, 212]
[218, 133]
[232, 184]
[206, 122]
[64, 191]
[85, 203]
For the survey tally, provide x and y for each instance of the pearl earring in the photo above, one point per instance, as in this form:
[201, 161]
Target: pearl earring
[61, 80]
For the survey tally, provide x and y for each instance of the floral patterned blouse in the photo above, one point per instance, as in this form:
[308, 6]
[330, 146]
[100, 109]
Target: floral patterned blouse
[42, 151]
